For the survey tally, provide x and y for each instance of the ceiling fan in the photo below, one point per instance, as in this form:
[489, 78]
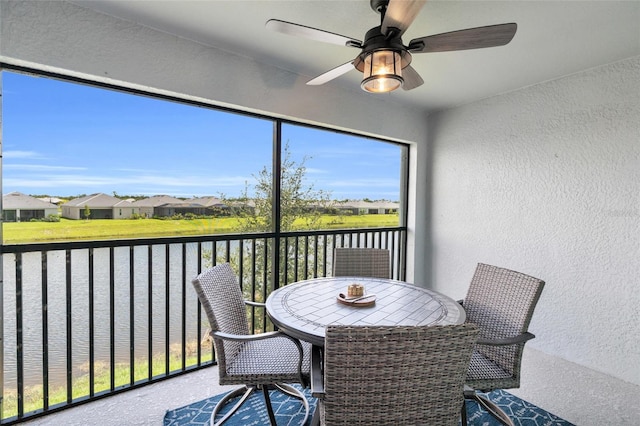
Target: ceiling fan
[384, 59]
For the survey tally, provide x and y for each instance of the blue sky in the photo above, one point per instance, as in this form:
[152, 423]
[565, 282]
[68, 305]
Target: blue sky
[67, 139]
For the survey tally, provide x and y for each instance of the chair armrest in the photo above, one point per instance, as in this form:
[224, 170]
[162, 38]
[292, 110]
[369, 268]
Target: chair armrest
[255, 304]
[317, 378]
[514, 340]
[247, 337]
[263, 336]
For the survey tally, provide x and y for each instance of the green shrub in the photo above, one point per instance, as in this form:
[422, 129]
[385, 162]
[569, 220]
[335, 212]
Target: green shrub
[51, 218]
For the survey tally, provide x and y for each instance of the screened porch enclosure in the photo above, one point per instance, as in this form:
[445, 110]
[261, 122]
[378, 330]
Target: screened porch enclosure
[85, 320]
[88, 316]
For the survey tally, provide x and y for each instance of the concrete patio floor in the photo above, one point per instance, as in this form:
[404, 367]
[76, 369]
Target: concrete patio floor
[579, 395]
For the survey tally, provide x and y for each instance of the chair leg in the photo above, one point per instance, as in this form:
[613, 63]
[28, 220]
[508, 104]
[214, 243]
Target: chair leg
[315, 420]
[291, 391]
[463, 413]
[492, 408]
[267, 402]
[245, 391]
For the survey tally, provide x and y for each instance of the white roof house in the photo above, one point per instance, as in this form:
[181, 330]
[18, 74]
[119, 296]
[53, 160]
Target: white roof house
[148, 206]
[101, 206]
[207, 201]
[18, 207]
[202, 206]
[52, 200]
[368, 207]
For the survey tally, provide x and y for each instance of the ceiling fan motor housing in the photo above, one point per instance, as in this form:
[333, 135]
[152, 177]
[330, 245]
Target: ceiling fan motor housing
[375, 40]
[379, 6]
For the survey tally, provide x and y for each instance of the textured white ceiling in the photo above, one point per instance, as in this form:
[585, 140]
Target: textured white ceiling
[554, 38]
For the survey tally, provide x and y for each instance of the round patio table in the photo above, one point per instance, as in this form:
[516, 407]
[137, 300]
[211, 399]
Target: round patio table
[303, 309]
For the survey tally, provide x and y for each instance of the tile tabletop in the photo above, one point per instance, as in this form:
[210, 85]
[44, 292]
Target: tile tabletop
[305, 308]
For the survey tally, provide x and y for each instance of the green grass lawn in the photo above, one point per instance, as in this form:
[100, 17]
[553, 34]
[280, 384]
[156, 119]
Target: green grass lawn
[34, 395]
[104, 229]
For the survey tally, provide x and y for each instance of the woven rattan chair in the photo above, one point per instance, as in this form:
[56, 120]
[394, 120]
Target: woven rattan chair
[501, 303]
[257, 361]
[378, 375]
[361, 262]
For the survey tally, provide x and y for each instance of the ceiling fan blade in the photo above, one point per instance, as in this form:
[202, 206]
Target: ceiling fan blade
[471, 38]
[400, 14]
[312, 33]
[331, 74]
[411, 78]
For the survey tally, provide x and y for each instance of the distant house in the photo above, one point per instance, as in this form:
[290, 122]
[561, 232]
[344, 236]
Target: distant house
[203, 206]
[387, 207]
[149, 207]
[18, 207]
[248, 206]
[101, 206]
[52, 200]
[357, 207]
[209, 202]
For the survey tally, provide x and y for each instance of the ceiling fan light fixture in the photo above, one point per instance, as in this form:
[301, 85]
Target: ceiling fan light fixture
[383, 56]
[382, 71]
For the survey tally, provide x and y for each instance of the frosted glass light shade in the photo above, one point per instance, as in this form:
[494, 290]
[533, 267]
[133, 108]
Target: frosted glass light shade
[382, 71]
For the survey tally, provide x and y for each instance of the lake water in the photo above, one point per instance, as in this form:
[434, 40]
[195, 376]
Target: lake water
[166, 296]
[166, 291]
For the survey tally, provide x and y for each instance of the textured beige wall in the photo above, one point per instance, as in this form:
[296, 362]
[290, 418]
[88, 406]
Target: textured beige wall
[546, 181]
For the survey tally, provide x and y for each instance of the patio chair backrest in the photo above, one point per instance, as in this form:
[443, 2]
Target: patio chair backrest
[395, 375]
[221, 297]
[501, 302]
[361, 262]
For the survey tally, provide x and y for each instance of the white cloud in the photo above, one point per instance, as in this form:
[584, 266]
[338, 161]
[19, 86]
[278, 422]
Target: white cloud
[40, 168]
[112, 182]
[372, 183]
[189, 181]
[20, 154]
[312, 171]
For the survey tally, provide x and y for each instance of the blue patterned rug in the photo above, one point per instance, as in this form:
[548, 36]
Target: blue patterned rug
[521, 412]
[289, 412]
